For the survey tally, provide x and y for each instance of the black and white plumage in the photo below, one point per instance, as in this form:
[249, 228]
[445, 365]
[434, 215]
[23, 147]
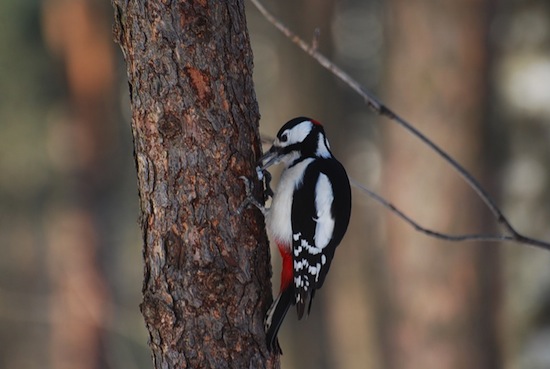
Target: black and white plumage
[308, 217]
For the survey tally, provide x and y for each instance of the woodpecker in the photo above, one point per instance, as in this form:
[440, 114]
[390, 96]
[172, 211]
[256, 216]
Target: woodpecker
[308, 217]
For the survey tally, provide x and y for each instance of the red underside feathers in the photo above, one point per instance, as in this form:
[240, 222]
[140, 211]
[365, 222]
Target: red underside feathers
[287, 272]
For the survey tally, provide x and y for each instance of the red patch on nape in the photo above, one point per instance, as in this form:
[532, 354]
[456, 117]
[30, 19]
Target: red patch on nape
[287, 272]
[316, 122]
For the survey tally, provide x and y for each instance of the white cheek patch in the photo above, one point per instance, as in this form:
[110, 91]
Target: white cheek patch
[297, 133]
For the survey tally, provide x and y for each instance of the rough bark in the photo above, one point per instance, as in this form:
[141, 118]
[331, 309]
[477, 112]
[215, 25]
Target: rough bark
[442, 295]
[195, 125]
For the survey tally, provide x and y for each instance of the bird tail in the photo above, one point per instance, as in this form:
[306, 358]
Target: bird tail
[275, 316]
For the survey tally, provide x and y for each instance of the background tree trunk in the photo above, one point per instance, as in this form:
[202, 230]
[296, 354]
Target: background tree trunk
[80, 305]
[442, 295]
[195, 127]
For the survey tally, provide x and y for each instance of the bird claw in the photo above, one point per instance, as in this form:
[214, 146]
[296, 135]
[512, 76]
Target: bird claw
[265, 176]
[249, 199]
[267, 181]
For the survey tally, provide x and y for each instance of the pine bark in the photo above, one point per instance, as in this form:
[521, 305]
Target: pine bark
[195, 125]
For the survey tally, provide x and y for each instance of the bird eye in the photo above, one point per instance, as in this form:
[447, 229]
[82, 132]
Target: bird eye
[284, 137]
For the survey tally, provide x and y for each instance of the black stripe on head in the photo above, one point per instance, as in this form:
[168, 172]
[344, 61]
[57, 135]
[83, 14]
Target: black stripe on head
[305, 138]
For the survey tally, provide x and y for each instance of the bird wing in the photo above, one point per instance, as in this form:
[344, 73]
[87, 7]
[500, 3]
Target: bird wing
[312, 235]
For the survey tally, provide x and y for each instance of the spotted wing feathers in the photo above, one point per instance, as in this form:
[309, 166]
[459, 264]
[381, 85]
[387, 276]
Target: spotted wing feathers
[316, 236]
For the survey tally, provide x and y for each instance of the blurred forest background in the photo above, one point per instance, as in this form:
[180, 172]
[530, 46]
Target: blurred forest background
[473, 75]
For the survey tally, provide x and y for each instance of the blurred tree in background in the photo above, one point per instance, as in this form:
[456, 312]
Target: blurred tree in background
[76, 35]
[443, 301]
[70, 276]
[71, 269]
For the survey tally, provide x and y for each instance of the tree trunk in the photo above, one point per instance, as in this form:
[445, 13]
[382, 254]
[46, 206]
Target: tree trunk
[442, 295]
[195, 125]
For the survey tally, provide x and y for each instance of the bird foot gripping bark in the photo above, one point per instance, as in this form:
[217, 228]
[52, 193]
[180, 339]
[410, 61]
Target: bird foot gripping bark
[265, 177]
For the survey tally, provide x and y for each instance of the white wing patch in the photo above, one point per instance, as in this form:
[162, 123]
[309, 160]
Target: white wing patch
[296, 134]
[323, 204]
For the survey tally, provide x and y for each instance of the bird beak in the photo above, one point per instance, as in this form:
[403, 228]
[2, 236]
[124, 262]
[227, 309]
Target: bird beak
[270, 158]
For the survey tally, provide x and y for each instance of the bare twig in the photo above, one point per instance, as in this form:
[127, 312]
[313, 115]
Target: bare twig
[427, 231]
[315, 39]
[381, 109]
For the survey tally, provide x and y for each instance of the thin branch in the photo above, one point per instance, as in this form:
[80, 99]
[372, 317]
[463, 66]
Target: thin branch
[381, 109]
[427, 231]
